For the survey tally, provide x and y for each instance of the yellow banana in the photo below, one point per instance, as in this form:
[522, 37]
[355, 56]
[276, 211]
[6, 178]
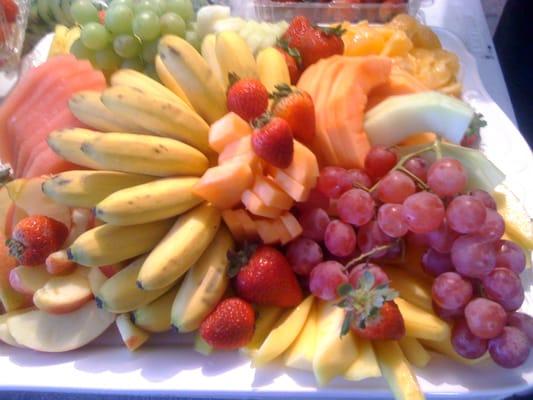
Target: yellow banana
[109, 244]
[152, 201]
[87, 188]
[234, 56]
[210, 56]
[59, 43]
[120, 293]
[87, 106]
[137, 80]
[151, 155]
[180, 248]
[204, 285]
[194, 76]
[420, 323]
[67, 143]
[266, 317]
[272, 68]
[155, 317]
[132, 336]
[158, 115]
[169, 81]
[415, 353]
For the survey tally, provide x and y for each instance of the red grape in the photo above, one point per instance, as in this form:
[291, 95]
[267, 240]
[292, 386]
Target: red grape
[380, 277]
[316, 199]
[314, 224]
[418, 166]
[523, 322]
[447, 177]
[435, 263]
[325, 279]
[379, 161]
[473, 257]
[451, 291]
[447, 314]
[510, 255]
[484, 197]
[494, 226]
[356, 207]
[485, 318]
[417, 239]
[465, 343]
[395, 187]
[510, 349]
[303, 254]
[340, 238]
[424, 212]
[391, 220]
[333, 181]
[371, 236]
[503, 286]
[465, 214]
[358, 177]
[442, 238]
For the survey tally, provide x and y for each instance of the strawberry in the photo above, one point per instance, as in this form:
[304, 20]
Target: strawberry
[35, 237]
[272, 141]
[230, 325]
[248, 98]
[297, 108]
[292, 59]
[371, 312]
[314, 43]
[11, 10]
[265, 277]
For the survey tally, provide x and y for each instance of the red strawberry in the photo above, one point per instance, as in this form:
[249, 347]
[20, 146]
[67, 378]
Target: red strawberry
[10, 10]
[35, 237]
[292, 59]
[272, 141]
[371, 312]
[298, 109]
[230, 325]
[248, 98]
[314, 43]
[266, 277]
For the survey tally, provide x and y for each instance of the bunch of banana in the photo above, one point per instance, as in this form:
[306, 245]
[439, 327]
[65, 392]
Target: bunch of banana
[209, 54]
[272, 68]
[63, 39]
[234, 56]
[155, 317]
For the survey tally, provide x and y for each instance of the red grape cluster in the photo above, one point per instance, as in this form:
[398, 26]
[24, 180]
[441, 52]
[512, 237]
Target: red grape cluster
[354, 215]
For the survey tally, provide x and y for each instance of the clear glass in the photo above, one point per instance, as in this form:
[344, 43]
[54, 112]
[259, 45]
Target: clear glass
[12, 37]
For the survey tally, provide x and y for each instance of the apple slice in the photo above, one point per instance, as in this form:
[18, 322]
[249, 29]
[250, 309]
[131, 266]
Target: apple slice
[27, 280]
[132, 336]
[96, 279]
[5, 335]
[27, 195]
[57, 263]
[41, 331]
[82, 219]
[64, 294]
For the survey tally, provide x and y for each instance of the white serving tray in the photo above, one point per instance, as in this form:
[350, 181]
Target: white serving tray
[168, 365]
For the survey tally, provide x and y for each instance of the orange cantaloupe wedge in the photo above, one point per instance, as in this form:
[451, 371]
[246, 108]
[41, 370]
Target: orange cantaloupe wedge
[271, 194]
[241, 151]
[256, 206]
[232, 221]
[267, 231]
[283, 234]
[296, 190]
[247, 223]
[223, 185]
[226, 130]
[291, 224]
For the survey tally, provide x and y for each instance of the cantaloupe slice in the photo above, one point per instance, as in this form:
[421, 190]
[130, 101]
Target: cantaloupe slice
[247, 223]
[223, 185]
[283, 234]
[291, 224]
[241, 151]
[268, 231]
[304, 166]
[226, 130]
[296, 190]
[232, 221]
[256, 206]
[271, 194]
[399, 82]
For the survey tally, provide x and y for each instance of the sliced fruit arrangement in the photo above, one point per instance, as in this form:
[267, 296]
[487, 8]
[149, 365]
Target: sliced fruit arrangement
[290, 200]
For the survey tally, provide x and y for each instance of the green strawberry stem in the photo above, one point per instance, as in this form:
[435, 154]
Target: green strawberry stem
[291, 51]
[238, 259]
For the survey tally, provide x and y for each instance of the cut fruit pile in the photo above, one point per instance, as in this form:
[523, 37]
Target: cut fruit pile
[261, 210]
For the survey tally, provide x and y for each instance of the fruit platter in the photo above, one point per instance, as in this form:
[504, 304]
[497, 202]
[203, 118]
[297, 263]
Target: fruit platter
[196, 202]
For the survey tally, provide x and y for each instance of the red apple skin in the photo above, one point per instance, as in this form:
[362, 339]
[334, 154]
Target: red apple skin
[58, 264]
[112, 269]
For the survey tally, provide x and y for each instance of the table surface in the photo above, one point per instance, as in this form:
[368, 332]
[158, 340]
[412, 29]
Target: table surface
[470, 25]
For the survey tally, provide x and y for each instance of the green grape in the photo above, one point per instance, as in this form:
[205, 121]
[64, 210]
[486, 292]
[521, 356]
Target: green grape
[135, 63]
[183, 8]
[150, 71]
[128, 3]
[126, 46]
[160, 6]
[80, 51]
[150, 51]
[172, 24]
[83, 11]
[95, 36]
[106, 59]
[144, 5]
[146, 25]
[193, 39]
[118, 19]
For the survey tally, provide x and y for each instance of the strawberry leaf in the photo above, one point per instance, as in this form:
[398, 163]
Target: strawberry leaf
[336, 30]
[347, 323]
[238, 259]
[283, 44]
[344, 290]
[476, 124]
[233, 78]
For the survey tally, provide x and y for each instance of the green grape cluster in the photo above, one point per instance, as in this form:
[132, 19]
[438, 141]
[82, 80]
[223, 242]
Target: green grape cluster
[126, 34]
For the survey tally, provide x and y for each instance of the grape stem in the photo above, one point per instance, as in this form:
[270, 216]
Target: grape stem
[370, 253]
